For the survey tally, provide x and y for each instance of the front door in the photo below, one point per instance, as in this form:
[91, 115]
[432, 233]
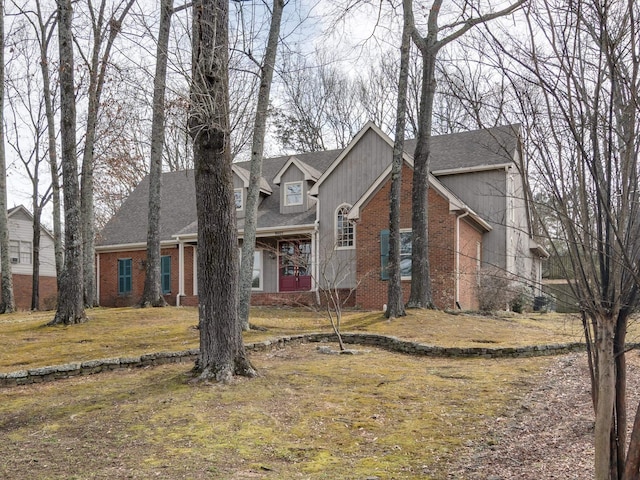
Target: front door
[295, 265]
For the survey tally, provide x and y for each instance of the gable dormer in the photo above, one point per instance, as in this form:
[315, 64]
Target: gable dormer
[295, 179]
[241, 184]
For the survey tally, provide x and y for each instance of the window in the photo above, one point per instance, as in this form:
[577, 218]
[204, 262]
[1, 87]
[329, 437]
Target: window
[124, 276]
[256, 279]
[405, 254]
[345, 230]
[256, 282]
[293, 193]
[20, 252]
[165, 274]
[238, 195]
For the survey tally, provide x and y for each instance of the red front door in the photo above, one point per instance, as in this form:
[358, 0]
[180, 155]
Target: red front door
[295, 264]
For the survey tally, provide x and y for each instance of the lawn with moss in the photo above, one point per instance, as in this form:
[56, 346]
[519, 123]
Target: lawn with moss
[26, 341]
[308, 415]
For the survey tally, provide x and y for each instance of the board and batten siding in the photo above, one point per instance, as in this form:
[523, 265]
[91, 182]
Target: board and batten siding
[345, 185]
[21, 229]
[485, 192]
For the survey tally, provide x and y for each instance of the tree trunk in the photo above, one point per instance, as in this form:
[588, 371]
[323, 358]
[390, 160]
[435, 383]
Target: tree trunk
[35, 263]
[6, 282]
[222, 353]
[257, 152]
[70, 295]
[421, 292]
[395, 305]
[152, 294]
[45, 37]
[605, 399]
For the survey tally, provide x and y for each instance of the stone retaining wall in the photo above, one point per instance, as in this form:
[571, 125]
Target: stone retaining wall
[51, 373]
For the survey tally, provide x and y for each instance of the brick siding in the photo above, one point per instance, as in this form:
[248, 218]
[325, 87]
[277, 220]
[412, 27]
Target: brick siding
[22, 289]
[108, 280]
[374, 217]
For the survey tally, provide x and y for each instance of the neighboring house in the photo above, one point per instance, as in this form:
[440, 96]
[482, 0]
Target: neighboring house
[21, 259]
[323, 222]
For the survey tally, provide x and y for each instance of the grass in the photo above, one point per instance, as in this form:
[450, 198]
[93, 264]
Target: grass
[308, 415]
[25, 341]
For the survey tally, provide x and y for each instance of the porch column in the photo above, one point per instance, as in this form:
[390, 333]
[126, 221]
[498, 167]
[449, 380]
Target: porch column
[180, 271]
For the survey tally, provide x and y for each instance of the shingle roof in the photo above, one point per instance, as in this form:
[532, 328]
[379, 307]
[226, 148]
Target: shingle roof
[129, 225]
[178, 204]
[476, 148]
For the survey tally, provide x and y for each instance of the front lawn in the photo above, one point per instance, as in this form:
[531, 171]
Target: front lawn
[308, 415]
[25, 341]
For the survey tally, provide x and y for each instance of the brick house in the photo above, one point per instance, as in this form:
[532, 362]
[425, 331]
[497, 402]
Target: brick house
[323, 221]
[21, 259]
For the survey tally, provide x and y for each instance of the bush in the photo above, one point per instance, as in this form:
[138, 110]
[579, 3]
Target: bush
[496, 290]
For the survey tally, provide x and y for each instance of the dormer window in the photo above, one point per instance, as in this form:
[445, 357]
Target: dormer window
[237, 193]
[293, 193]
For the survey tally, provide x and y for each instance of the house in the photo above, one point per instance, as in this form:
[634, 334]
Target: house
[21, 259]
[323, 222]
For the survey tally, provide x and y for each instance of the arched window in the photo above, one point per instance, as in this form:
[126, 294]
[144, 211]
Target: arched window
[345, 230]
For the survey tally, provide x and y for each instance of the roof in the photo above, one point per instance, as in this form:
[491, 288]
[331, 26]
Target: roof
[460, 151]
[178, 204]
[492, 147]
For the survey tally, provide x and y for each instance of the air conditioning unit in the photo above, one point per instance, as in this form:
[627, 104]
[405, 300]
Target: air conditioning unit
[15, 260]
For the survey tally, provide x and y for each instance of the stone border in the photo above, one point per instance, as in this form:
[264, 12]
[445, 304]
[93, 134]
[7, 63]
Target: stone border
[393, 344]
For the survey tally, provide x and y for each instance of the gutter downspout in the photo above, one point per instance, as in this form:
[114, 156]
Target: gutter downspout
[458, 257]
[180, 271]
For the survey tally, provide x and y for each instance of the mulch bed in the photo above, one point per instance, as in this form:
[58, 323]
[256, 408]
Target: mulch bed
[548, 434]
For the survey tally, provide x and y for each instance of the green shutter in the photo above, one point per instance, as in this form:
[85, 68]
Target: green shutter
[384, 254]
[165, 274]
[124, 276]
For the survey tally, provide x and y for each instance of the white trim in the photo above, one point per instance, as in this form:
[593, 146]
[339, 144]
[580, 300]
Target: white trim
[286, 197]
[134, 246]
[455, 204]
[98, 277]
[195, 270]
[310, 173]
[244, 175]
[261, 262]
[335, 228]
[180, 269]
[241, 192]
[478, 168]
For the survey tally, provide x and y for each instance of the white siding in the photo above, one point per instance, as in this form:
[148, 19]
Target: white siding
[21, 229]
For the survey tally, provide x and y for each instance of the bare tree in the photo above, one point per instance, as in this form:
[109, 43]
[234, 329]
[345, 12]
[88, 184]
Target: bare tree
[70, 299]
[6, 282]
[429, 47]
[44, 28]
[222, 353]
[152, 294]
[322, 109]
[253, 192]
[395, 305]
[97, 67]
[577, 80]
[27, 137]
